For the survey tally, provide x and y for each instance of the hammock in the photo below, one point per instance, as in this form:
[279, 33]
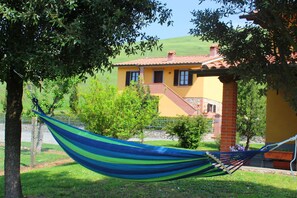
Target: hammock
[135, 161]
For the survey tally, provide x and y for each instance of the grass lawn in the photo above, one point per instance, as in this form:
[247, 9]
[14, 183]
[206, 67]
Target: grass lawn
[50, 153]
[72, 180]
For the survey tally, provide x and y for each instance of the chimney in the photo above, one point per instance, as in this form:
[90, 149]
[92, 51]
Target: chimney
[214, 50]
[170, 55]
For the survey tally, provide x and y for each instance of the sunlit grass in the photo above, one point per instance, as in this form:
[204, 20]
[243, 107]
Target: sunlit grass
[73, 180]
[50, 153]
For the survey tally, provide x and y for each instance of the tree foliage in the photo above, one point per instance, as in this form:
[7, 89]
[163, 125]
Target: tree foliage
[116, 114]
[50, 39]
[51, 94]
[264, 48]
[251, 111]
[189, 130]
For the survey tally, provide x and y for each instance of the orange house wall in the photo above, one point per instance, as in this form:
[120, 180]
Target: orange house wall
[196, 90]
[209, 88]
[201, 87]
[281, 119]
[168, 108]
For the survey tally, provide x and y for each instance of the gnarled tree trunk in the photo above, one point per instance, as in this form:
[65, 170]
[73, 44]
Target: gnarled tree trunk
[14, 88]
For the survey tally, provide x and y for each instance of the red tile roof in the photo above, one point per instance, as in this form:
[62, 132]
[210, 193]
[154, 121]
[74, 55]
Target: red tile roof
[218, 64]
[177, 60]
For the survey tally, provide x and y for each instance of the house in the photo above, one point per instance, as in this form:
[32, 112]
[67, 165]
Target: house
[281, 119]
[180, 92]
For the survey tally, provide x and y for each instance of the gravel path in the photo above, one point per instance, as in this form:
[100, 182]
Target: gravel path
[48, 138]
[26, 134]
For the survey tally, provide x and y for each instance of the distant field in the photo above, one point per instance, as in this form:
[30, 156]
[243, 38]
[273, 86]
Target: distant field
[184, 46]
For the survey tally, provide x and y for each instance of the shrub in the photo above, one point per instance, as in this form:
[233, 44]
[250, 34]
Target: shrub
[189, 130]
[121, 115]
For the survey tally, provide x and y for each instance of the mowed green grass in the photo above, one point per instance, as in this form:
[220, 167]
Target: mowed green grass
[73, 180]
[49, 153]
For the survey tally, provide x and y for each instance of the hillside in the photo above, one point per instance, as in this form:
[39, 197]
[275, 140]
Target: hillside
[184, 46]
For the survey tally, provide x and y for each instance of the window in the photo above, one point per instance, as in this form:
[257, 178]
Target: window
[211, 108]
[158, 76]
[182, 78]
[131, 76]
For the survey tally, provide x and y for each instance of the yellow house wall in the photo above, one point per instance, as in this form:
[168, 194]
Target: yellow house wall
[281, 120]
[202, 87]
[196, 90]
[168, 108]
[213, 88]
[122, 76]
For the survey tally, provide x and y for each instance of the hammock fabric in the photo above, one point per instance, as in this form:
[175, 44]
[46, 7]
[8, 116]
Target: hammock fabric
[135, 161]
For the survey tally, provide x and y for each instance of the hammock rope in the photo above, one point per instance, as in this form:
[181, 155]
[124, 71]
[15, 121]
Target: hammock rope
[141, 162]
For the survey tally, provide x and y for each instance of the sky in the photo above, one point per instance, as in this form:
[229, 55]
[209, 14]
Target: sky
[181, 16]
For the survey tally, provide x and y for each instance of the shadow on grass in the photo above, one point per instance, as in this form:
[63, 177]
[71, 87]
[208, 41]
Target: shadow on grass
[72, 180]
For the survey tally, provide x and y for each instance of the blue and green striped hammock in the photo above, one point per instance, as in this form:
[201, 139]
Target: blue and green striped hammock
[135, 161]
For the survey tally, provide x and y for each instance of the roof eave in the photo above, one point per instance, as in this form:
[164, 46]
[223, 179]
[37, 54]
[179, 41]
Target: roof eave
[158, 65]
[211, 72]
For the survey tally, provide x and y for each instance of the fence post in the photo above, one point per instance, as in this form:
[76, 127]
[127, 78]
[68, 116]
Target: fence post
[33, 141]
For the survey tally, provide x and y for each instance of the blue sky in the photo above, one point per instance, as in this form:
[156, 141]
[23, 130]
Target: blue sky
[181, 18]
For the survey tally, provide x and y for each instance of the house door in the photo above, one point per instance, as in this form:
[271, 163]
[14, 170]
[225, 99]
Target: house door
[158, 76]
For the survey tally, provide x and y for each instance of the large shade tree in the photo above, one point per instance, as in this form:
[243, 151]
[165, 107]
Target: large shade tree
[263, 48]
[51, 39]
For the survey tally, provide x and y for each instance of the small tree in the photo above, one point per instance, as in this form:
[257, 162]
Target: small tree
[119, 115]
[51, 96]
[251, 112]
[189, 130]
[136, 107]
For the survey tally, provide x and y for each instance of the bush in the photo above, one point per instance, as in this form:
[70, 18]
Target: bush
[189, 130]
[116, 114]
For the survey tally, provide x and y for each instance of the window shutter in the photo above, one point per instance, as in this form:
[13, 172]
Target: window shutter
[209, 107]
[190, 78]
[175, 80]
[128, 78]
[214, 108]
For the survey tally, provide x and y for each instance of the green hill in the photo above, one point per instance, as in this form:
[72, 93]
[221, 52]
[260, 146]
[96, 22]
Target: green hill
[184, 46]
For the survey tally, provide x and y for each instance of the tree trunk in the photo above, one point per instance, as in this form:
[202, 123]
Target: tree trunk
[39, 138]
[14, 88]
[247, 145]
